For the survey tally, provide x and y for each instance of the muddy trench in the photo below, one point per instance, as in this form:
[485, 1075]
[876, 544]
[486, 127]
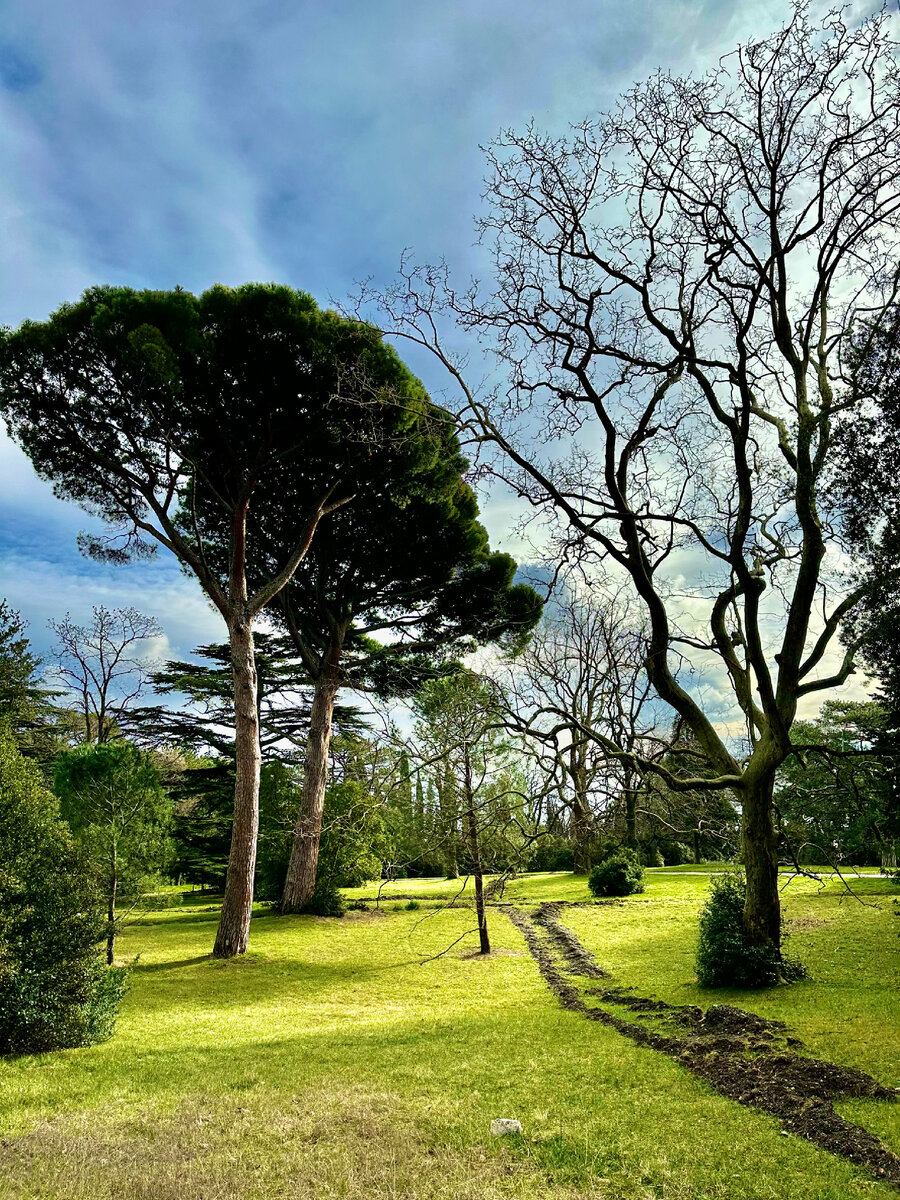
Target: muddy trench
[741, 1055]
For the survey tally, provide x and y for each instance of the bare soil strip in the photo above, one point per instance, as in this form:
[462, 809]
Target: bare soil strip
[739, 1054]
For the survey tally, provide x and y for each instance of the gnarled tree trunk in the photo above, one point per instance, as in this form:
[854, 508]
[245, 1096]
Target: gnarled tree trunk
[759, 842]
[301, 875]
[237, 907]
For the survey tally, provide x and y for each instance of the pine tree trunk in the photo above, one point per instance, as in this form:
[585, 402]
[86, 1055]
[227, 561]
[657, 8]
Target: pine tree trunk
[759, 842]
[475, 856]
[301, 874]
[234, 921]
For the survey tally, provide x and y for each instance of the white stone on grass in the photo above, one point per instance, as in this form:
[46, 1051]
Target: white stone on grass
[503, 1126]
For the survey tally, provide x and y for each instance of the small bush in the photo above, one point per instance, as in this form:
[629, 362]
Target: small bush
[725, 958]
[326, 901]
[413, 906]
[619, 875]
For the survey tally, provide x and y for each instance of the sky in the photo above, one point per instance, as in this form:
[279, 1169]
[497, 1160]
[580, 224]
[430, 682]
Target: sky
[308, 143]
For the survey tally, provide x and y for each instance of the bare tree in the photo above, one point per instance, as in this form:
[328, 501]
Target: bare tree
[105, 665]
[675, 281]
[579, 686]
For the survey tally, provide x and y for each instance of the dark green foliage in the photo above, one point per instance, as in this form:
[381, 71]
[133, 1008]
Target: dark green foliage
[326, 900]
[675, 854]
[621, 874]
[841, 805]
[25, 707]
[55, 991]
[725, 957]
[551, 853]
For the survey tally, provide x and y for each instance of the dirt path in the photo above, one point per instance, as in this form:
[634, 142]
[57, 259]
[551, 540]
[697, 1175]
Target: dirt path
[741, 1055]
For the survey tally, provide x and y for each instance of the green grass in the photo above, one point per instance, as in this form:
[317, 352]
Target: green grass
[330, 1062]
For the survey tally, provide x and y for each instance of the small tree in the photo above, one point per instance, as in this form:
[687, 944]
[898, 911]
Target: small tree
[54, 990]
[102, 665]
[112, 798]
[458, 722]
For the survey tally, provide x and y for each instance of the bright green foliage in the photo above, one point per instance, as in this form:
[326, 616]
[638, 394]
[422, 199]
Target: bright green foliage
[112, 797]
[725, 957]
[621, 874]
[54, 990]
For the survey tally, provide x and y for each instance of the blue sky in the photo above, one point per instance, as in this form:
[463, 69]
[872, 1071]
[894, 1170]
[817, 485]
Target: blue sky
[308, 143]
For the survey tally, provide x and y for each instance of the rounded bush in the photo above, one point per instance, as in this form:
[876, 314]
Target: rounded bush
[725, 957]
[326, 900]
[619, 875]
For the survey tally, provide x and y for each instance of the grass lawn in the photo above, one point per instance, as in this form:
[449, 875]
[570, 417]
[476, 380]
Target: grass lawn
[331, 1063]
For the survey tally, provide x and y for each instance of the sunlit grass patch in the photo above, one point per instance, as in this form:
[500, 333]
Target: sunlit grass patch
[331, 1062]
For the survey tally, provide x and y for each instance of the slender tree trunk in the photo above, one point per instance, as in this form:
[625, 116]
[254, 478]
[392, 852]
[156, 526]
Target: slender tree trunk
[475, 856]
[696, 836]
[237, 907]
[759, 841]
[111, 912]
[301, 874]
[630, 814]
[582, 819]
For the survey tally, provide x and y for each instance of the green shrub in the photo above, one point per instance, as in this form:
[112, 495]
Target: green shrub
[619, 875]
[652, 857]
[676, 854]
[413, 905]
[725, 958]
[55, 990]
[326, 900]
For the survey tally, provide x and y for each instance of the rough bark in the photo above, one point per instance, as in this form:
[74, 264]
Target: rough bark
[237, 906]
[582, 819]
[759, 842]
[475, 856]
[300, 882]
[630, 815]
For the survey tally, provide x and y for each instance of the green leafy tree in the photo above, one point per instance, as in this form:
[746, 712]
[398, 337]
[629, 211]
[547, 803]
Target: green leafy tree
[187, 422]
[112, 798]
[459, 729]
[55, 991]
